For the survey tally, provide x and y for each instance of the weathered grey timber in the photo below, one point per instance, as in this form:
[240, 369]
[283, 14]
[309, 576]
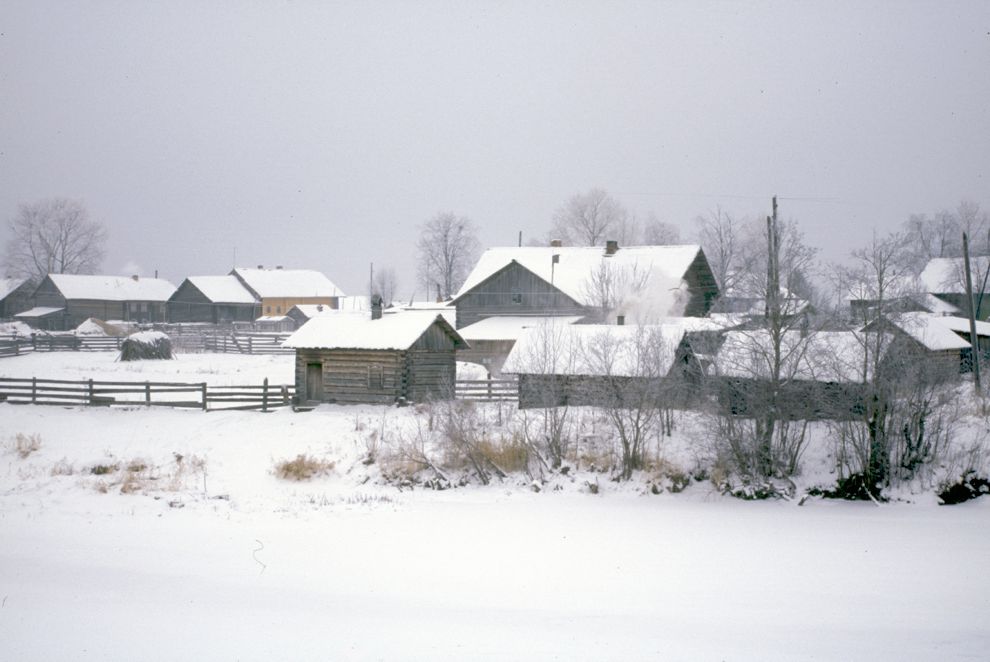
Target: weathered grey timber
[421, 369]
[190, 304]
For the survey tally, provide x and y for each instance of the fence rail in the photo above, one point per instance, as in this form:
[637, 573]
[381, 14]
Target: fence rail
[263, 397]
[249, 343]
[486, 389]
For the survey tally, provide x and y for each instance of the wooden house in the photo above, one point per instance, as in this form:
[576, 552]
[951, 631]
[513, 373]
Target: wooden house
[213, 300]
[941, 341]
[15, 296]
[600, 365]
[637, 284]
[66, 300]
[378, 359]
[278, 290]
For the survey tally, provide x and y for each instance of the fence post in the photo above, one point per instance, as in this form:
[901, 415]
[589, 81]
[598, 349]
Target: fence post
[34, 390]
[251, 349]
[264, 395]
[147, 393]
[90, 391]
[203, 387]
[285, 395]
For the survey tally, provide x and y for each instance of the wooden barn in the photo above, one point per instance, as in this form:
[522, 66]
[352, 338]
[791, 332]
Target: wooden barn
[601, 365]
[377, 359]
[823, 376]
[67, 300]
[15, 296]
[213, 300]
[639, 283]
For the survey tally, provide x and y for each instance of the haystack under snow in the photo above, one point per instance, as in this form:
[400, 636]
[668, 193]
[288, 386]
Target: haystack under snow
[146, 345]
[97, 327]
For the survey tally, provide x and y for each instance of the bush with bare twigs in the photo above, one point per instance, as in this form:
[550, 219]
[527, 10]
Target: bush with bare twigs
[303, 467]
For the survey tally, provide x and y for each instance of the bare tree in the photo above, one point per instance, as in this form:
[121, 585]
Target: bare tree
[659, 233]
[447, 249]
[587, 219]
[723, 239]
[385, 285]
[632, 390]
[54, 236]
[939, 234]
[550, 353]
[609, 288]
[907, 412]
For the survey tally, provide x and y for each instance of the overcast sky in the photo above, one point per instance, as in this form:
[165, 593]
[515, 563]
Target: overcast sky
[322, 135]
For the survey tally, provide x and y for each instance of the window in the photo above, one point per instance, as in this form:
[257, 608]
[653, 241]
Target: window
[278, 310]
[517, 297]
[268, 310]
[375, 377]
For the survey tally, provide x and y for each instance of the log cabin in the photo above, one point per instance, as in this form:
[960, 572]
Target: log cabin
[377, 359]
[15, 296]
[66, 300]
[213, 300]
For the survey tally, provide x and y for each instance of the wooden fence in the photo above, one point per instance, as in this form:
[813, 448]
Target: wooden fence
[17, 345]
[486, 389]
[263, 397]
[255, 343]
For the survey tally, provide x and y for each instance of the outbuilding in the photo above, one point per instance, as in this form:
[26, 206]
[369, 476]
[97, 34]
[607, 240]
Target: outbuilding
[402, 357]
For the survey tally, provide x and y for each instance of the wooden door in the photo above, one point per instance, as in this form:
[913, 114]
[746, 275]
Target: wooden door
[314, 381]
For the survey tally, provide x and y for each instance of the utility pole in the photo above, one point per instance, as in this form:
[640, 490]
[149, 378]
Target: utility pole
[974, 340]
[773, 265]
[371, 279]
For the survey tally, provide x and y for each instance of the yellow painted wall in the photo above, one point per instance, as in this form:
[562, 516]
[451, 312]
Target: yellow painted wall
[281, 305]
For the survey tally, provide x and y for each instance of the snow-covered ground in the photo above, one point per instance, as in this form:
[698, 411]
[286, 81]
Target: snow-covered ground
[184, 545]
[214, 369]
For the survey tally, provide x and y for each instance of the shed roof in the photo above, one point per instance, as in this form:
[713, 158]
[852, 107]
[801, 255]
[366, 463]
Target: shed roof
[595, 350]
[222, 289]
[39, 311]
[945, 275]
[825, 356]
[664, 266]
[266, 283]
[391, 332]
[112, 288]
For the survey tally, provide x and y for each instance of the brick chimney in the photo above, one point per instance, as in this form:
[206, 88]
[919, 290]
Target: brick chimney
[135, 277]
[611, 247]
[556, 243]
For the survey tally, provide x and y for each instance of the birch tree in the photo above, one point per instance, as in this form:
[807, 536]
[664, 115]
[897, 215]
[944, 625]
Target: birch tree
[447, 249]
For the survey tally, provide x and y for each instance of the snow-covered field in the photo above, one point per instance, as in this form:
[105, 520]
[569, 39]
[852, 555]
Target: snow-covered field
[185, 545]
[214, 369]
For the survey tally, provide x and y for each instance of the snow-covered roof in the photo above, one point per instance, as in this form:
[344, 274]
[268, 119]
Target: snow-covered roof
[8, 285]
[311, 310]
[595, 350]
[222, 289]
[932, 331]
[391, 332]
[933, 304]
[508, 327]
[354, 303]
[273, 318]
[938, 332]
[827, 356]
[268, 283]
[449, 313]
[39, 311]
[112, 288]
[662, 267]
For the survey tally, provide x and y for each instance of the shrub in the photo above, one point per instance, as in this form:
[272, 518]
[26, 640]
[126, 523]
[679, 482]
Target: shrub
[968, 486]
[63, 468]
[303, 467]
[103, 469]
